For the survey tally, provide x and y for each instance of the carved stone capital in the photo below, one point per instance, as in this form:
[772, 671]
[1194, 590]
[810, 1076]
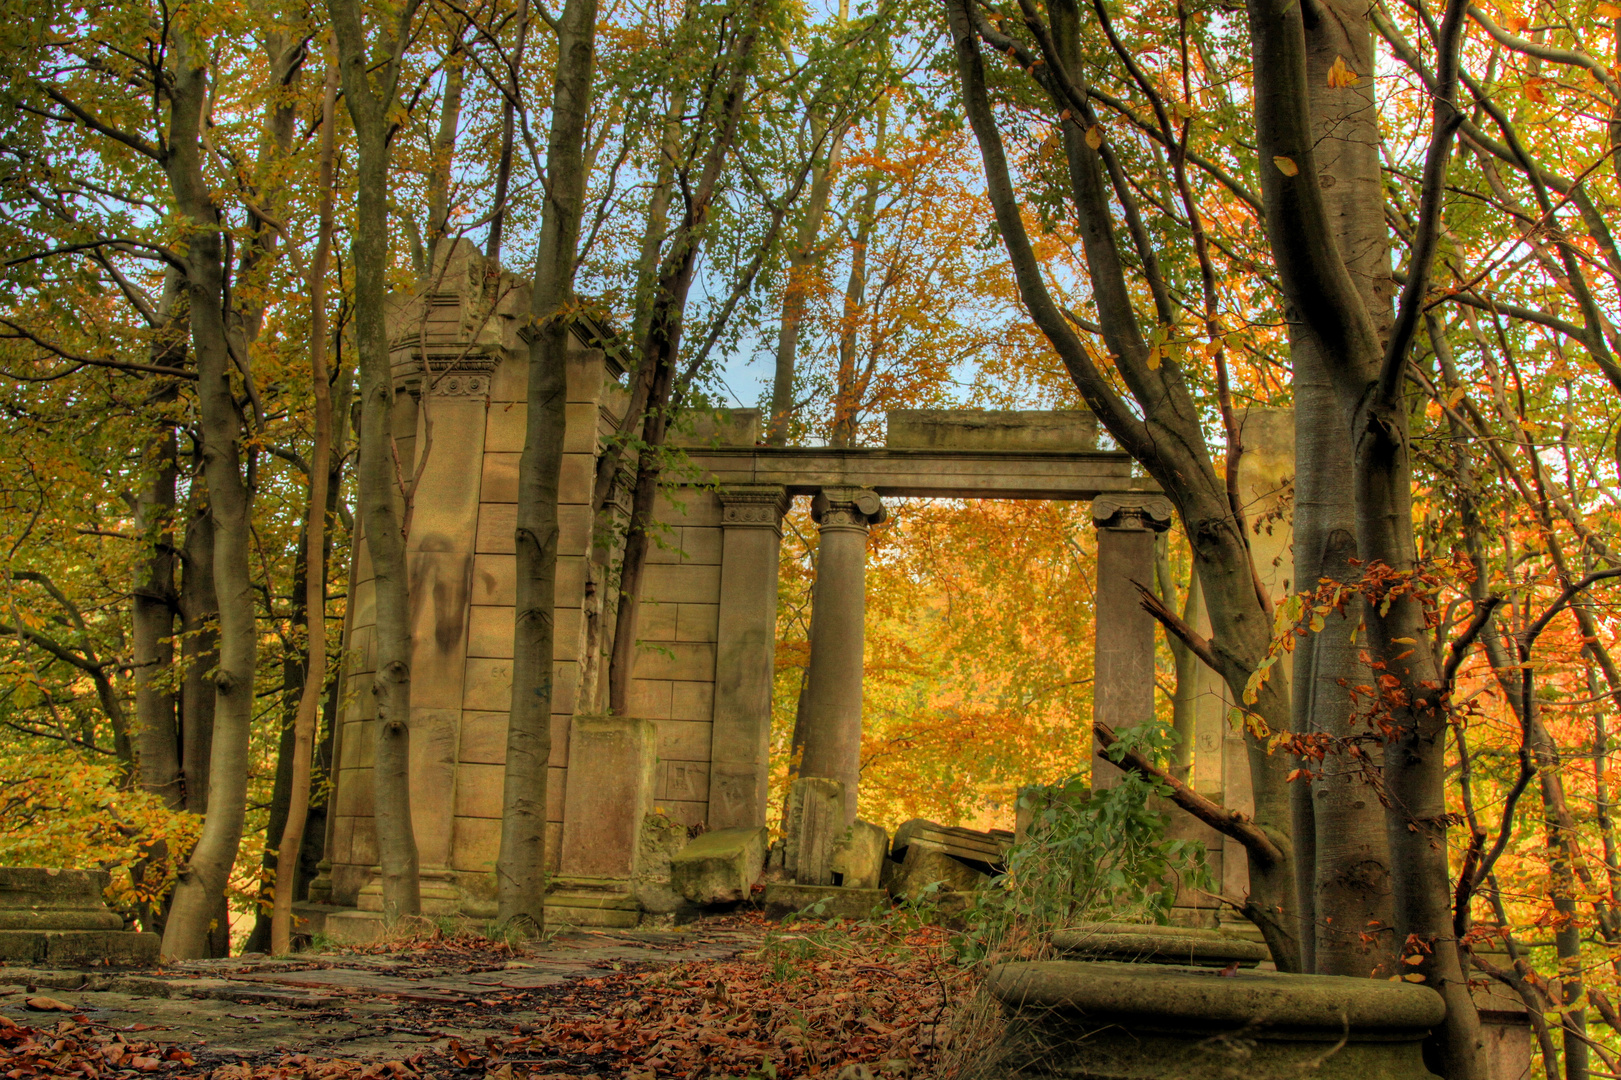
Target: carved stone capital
[847, 508]
[1131, 511]
[753, 506]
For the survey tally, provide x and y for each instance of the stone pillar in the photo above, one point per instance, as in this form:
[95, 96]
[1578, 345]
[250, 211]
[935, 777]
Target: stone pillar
[439, 557]
[1123, 658]
[745, 654]
[832, 720]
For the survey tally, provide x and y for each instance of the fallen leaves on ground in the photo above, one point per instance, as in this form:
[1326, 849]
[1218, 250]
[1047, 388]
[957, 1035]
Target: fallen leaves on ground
[855, 1003]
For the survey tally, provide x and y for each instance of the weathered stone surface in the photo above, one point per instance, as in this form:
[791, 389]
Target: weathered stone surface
[1140, 943]
[661, 838]
[721, 866]
[1129, 1021]
[823, 901]
[858, 856]
[984, 851]
[37, 898]
[609, 792]
[988, 429]
[924, 866]
[1505, 1024]
[816, 820]
[580, 901]
[50, 916]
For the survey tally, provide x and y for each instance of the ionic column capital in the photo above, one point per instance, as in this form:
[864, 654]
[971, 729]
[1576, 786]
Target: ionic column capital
[753, 506]
[836, 508]
[1132, 512]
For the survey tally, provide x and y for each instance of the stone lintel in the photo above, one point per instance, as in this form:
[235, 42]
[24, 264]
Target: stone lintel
[926, 473]
[1132, 511]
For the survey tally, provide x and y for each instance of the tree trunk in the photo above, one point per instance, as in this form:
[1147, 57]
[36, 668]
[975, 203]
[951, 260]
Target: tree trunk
[801, 263]
[379, 482]
[521, 865]
[196, 901]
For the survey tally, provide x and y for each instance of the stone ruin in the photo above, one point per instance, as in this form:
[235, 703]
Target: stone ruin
[58, 918]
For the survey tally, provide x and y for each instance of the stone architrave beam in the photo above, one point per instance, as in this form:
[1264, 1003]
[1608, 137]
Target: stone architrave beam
[745, 653]
[832, 716]
[926, 473]
[1123, 660]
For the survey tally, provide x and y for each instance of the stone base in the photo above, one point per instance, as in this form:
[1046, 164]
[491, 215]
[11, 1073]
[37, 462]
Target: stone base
[347, 926]
[74, 948]
[1105, 1021]
[436, 887]
[593, 902]
[831, 901]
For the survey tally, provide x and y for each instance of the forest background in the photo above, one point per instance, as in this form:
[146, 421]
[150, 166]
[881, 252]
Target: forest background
[815, 173]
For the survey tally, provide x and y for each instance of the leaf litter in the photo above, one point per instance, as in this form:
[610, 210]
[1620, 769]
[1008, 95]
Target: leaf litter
[814, 1000]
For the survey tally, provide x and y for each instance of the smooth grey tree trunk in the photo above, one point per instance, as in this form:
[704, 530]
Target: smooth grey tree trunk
[521, 864]
[196, 902]
[370, 90]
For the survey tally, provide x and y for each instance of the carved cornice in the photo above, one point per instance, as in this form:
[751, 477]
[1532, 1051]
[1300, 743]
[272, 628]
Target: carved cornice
[1119, 510]
[847, 508]
[756, 506]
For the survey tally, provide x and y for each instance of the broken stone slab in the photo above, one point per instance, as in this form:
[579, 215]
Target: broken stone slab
[991, 429]
[985, 851]
[858, 857]
[1146, 1022]
[823, 901]
[719, 867]
[924, 866]
[816, 821]
[53, 916]
[1141, 943]
[661, 838]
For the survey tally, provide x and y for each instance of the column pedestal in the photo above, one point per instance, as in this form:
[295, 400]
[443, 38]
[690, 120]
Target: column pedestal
[832, 706]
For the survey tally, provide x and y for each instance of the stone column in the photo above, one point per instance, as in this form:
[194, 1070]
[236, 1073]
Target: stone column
[745, 648]
[1123, 658]
[832, 720]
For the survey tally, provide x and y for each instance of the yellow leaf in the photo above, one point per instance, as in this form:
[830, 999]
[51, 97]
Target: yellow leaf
[1153, 358]
[1341, 74]
[1414, 960]
[1286, 166]
[1609, 11]
[1414, 976]
[1094, 136]
[1404, 641]
[1455, 397]
[1211, 348]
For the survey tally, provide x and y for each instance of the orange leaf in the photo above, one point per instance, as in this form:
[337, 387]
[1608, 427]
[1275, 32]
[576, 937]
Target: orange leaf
[1286, 166]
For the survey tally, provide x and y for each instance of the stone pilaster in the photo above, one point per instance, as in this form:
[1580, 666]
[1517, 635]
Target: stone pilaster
[832, 708]
[745, 647]
[1123, 660]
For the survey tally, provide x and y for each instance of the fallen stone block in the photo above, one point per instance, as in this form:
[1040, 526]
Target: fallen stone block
[858, 857]
[985, 851]
[719, 867]
[923, 867]
[823, 901]
[815, 823]
[660, 839]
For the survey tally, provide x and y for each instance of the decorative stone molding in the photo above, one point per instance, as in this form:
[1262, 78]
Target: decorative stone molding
[847, 508]
[457, 384]
[1132, 511]
[753, 506]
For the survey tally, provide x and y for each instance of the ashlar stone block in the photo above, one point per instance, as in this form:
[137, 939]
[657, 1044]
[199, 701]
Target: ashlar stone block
[610, 791]
[719, 867]
[858, 857]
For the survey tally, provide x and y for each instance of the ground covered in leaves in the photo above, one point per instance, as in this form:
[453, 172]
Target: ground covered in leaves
[843, 1002]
